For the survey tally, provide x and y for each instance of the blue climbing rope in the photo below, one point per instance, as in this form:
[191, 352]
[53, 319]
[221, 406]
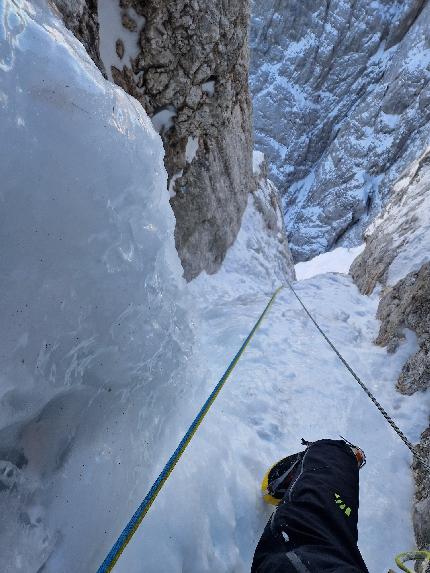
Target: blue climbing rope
[131, 527]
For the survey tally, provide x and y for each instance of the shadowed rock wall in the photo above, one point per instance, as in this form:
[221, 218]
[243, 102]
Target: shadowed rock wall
[80, 17]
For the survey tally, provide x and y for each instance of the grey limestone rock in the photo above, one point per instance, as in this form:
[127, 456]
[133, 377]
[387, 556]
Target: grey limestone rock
[187, 63]
[190, 72]
[421, 513]
[397, 242]
[407, 305]
[340, 107]
[267, 202]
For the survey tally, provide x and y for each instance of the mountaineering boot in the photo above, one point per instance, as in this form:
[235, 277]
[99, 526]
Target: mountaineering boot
[276, 481]
[314, 526]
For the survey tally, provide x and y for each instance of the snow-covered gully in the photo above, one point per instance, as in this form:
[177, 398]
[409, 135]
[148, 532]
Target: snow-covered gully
[288, 385]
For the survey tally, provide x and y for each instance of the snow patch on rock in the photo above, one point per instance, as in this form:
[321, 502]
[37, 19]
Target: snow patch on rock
[119, 34]
[257, 161]
[163, 120]
[191, 149]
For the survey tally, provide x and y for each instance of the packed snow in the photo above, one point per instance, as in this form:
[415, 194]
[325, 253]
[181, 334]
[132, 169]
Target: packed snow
[337, 261]
[209, 88]
[172, 182]
[162, 120]
[191, 149]
[190, 152]
[257, 161]
[288, 385]
[107, 355]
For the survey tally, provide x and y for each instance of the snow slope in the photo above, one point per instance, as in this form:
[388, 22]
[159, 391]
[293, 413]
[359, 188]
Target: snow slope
[337, 261]
[287, 386]
[107, 356]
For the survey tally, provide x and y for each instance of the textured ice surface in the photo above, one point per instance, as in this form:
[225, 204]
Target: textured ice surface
[92, 326]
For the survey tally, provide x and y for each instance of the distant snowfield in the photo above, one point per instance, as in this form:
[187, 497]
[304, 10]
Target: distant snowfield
[337, 261]
[107, 355]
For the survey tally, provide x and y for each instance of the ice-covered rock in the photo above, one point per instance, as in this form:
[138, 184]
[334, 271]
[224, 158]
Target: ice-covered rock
[189, 69]
[341, 109]
[81, 17]
[93, 330]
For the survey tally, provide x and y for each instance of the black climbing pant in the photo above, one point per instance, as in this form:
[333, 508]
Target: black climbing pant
[314, 529]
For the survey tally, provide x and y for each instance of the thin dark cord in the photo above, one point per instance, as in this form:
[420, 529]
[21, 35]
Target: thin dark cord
[363, 386]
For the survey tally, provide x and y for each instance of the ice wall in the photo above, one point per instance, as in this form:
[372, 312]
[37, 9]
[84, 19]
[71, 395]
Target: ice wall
[93, 331]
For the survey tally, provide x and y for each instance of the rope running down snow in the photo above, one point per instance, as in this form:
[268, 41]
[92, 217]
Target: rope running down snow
[131, 527]
[364, 387]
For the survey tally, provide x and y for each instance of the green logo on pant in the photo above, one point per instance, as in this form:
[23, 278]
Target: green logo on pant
[342, 505]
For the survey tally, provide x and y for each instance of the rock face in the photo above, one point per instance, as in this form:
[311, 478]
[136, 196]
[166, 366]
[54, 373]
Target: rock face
[407, 305]
[189, 69]
[80, 16]
[421, 514]
[341, 92]
[260, 259]
[271, 244]
[397, 256]
[397, 241]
